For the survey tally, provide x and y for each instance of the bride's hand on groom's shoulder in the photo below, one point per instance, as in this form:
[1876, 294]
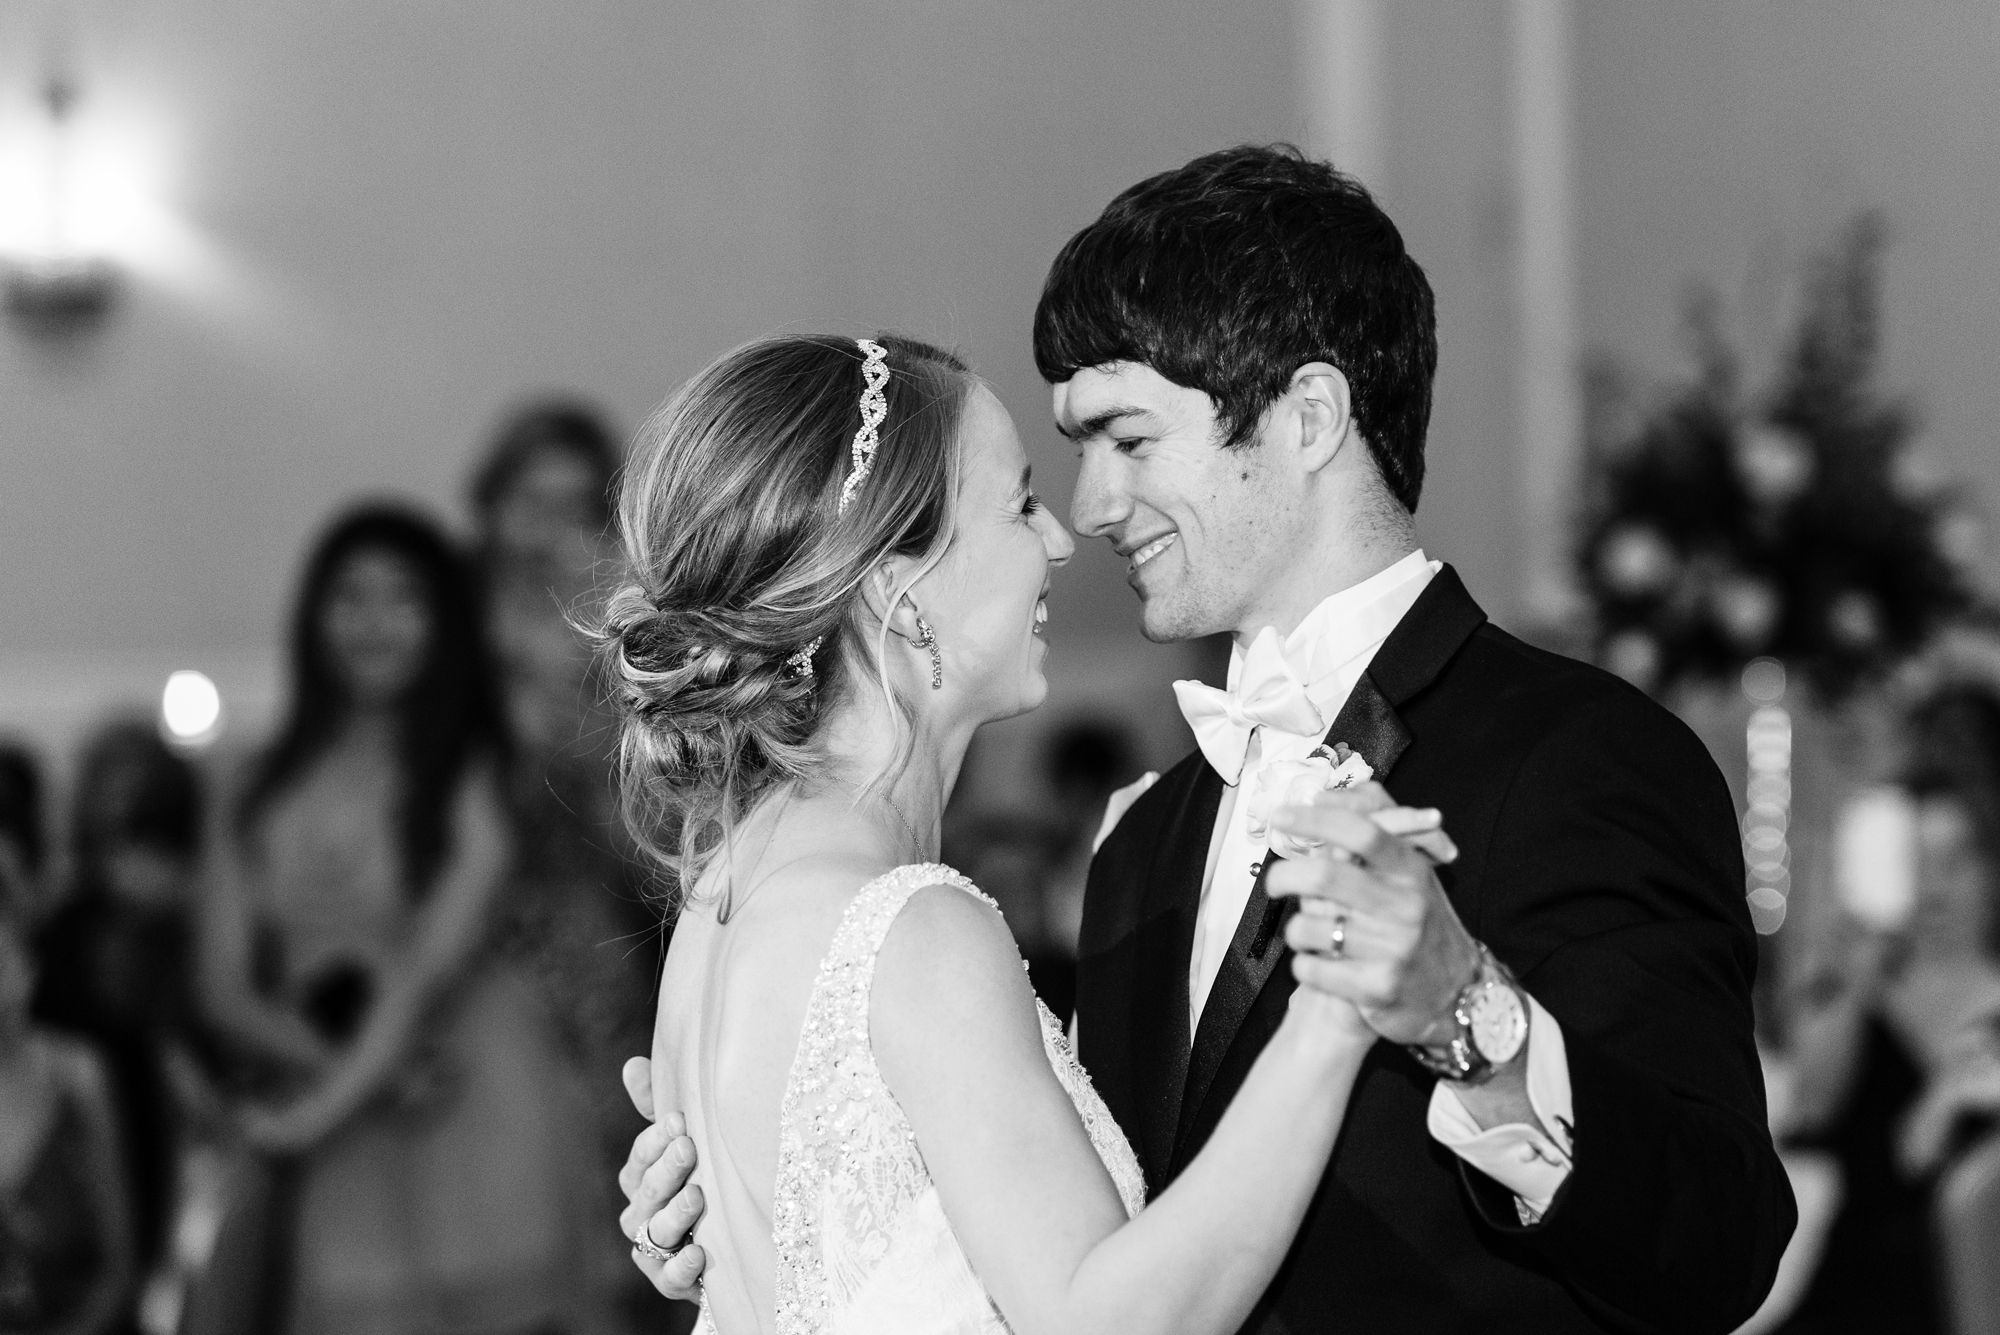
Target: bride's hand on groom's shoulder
[1374, 925]
[658, 1195]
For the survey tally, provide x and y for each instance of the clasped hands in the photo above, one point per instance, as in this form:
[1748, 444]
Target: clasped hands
[1368, 867]
[1374, 925]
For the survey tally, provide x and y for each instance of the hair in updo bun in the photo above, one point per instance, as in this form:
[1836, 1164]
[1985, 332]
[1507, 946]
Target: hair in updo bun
[738, 556]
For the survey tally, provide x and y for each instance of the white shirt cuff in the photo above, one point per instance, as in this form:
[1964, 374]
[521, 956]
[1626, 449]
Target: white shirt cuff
[1530, 1161]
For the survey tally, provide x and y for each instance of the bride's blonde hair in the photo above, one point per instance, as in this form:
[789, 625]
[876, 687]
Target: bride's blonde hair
[738, 557]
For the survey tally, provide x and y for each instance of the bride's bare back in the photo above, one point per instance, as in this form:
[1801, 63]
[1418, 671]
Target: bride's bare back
[732, 1001]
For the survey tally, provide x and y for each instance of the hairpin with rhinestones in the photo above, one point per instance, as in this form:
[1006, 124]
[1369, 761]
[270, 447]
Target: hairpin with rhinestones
[874, 407]
[800, 664]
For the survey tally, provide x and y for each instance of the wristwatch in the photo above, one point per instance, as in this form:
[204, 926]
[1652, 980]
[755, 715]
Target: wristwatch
[1492, 1018]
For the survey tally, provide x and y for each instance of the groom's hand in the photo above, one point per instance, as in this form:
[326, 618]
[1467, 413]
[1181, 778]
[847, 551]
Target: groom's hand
[1405, 955]
[658, 1195]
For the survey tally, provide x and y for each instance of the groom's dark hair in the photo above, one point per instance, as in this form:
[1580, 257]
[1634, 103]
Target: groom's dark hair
[1230, 273]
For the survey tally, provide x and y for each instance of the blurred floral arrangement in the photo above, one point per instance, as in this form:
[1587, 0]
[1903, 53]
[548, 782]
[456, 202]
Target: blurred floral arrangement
[1723, 526]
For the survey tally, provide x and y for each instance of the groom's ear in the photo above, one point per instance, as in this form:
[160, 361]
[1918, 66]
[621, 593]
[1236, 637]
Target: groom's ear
[1323, 410]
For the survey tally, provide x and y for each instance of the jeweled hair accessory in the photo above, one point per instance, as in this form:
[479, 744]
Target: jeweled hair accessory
[874, 407]
[800, 664]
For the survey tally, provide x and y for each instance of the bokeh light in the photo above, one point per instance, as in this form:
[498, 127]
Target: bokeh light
[191, 709]
[1767, 814]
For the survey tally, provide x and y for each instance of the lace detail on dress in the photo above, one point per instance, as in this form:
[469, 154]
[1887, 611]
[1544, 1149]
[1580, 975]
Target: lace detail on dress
[859, 1233]
[1106, 1136]
[845, 1149]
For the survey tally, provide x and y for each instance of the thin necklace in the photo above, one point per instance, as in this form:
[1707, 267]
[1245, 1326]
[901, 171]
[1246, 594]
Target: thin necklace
[915, 843]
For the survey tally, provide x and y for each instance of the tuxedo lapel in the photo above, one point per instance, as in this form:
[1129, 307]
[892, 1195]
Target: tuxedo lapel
[1171, 904]
[1441, 620]
[1371, 726]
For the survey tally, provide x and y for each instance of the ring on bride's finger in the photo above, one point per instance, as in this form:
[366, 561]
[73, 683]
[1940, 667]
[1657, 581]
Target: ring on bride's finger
[1336, 938]
[642, 1243]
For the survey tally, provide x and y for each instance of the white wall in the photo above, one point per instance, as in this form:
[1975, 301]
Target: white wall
[1448, 183]
[397, 219]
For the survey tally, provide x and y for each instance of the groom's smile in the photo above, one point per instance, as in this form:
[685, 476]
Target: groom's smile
[1192, 518]
[1147, 552]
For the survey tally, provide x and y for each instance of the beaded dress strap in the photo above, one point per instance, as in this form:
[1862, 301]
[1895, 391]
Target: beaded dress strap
[833, 1073]
[868, 919]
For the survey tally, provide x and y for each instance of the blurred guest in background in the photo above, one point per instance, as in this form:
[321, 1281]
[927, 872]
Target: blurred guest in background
[542, 501]
[574, 916]
[1898, 1041]
[117, 961]
[20, 830]
[65, 1226]
[425, 1122]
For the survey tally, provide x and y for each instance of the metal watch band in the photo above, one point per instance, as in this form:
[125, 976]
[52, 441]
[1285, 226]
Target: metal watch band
[1460, 1059]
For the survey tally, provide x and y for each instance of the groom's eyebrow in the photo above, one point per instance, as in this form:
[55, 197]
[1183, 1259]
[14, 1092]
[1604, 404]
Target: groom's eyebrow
[1095, 424]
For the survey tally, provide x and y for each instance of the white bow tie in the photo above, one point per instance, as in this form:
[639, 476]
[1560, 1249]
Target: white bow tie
[1268, 694]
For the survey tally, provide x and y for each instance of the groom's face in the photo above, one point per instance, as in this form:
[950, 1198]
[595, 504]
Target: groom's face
[1194, 521]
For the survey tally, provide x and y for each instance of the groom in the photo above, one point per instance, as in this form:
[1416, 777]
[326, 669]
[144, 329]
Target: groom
[1563, 1129]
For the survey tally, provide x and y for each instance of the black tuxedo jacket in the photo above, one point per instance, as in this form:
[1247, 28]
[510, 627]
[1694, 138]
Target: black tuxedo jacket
[1599, 858]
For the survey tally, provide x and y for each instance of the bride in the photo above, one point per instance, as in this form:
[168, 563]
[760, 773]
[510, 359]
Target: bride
[836, 574]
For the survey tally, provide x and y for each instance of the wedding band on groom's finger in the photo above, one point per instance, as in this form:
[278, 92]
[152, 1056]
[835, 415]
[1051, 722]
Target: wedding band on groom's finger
[1325, 930]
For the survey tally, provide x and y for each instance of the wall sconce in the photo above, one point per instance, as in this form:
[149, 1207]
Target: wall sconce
[57, 285]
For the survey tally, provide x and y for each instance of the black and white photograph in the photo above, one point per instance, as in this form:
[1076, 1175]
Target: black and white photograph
[850, 667]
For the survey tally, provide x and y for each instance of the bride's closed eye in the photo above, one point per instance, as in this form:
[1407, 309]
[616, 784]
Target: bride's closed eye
[1032, 505]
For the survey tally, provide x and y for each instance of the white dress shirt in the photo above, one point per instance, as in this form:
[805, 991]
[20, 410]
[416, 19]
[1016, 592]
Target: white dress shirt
[1329, 651]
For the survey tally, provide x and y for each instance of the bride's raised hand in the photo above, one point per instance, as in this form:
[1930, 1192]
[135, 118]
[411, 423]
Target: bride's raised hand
[1420, 827]
[1375, 924]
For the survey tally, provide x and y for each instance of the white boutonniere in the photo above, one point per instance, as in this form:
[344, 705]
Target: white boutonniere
[1296, 783]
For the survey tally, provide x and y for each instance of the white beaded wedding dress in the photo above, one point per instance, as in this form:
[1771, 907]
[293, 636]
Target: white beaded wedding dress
[862, 1243]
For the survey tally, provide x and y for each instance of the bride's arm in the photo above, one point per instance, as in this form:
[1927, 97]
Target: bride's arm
[957, 1038]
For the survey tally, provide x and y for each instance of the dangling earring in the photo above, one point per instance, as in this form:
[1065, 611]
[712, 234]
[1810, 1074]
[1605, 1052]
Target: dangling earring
[926, 639]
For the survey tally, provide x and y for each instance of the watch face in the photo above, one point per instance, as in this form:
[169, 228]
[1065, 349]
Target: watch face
[1499, 1023]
